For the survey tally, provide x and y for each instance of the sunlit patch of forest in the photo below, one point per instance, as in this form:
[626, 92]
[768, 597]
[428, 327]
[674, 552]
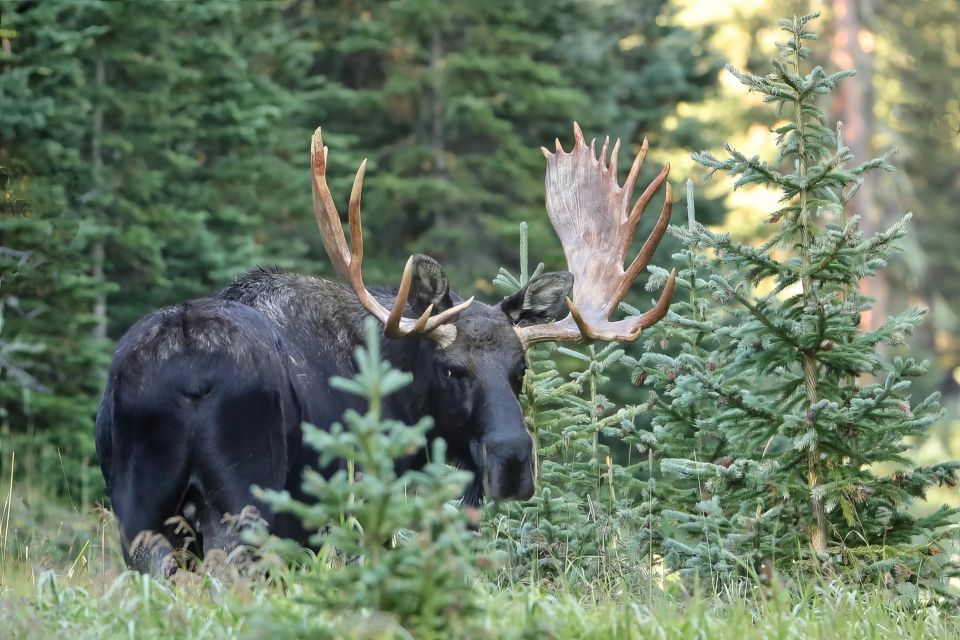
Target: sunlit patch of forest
[772, 459]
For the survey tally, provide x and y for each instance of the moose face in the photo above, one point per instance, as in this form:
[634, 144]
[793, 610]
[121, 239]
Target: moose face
[472, 396]
[470, 386]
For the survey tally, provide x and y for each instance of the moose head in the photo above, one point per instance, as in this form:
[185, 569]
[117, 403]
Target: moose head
[470, 357]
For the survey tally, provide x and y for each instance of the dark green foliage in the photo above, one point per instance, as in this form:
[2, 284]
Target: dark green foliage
[46, 353]
[451, 101]
[779, 410]
[48, 358]
[145, 138]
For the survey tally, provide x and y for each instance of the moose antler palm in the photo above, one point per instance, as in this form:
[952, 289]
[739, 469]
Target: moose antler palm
[347, 260]
[589, 212]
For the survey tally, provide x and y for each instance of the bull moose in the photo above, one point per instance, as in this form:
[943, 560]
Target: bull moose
[206, 398]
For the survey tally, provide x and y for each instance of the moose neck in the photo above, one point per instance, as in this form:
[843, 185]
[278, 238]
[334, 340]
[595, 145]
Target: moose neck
[322, 322]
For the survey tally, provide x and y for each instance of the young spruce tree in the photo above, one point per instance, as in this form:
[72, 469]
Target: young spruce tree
[368, 506]
[589, 513]
[781, 414]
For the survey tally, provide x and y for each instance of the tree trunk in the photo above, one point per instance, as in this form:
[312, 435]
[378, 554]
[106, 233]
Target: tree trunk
[438, 141]
[852, 48]
[97, 252]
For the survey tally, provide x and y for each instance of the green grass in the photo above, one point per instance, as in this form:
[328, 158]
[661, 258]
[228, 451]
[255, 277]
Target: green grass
[137, 607]
[62, 577]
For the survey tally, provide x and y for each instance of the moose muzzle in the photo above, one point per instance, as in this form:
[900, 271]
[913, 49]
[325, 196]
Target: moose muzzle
[506, 462]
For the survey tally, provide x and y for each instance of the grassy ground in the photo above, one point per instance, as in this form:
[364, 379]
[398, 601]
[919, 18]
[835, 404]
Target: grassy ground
[62, 577]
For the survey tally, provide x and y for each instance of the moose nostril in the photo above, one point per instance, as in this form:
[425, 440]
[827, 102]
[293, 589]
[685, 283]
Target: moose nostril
[516, 464]
[512, 478]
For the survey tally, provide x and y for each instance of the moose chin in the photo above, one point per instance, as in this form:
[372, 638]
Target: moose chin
[205, 399]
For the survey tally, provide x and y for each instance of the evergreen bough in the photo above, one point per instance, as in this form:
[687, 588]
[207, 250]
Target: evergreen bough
[782, 421]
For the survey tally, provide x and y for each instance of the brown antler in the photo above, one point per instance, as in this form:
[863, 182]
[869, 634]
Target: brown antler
[347, 260]
[589, 211]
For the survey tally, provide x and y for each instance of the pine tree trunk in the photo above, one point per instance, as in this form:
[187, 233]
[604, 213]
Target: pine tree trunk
[437, 132]
[97, 252]
[854, 107]
[438, 141]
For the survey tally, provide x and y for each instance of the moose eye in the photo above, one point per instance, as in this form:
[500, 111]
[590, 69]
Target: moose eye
[452, 371]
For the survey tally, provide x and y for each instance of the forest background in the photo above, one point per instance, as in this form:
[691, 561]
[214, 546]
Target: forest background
[151, 151]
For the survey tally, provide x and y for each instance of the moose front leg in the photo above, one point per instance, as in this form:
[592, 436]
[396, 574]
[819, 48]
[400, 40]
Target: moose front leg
[151, 552]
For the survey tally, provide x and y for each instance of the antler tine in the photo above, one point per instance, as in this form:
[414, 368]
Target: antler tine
[444, 316]
[631, 181]
[659, 310]
[613, 157]
[649, 246]
[588, 210]
[392, 325]
[348, 260]
[641, 205]
[577, 134]
[325, 211]
[356, 227]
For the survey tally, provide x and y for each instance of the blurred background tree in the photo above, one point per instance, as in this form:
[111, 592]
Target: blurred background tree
[918, 99]
[451, 101]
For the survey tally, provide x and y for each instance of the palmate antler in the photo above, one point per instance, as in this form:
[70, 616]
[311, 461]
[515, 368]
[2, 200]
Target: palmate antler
[347, 260]
[589, 211]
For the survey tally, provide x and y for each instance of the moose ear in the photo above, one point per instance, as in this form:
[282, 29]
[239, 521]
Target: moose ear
[542, 300]
[428, 286]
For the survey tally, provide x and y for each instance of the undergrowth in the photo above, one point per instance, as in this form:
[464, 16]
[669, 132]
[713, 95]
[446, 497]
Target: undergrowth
[98, 602]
